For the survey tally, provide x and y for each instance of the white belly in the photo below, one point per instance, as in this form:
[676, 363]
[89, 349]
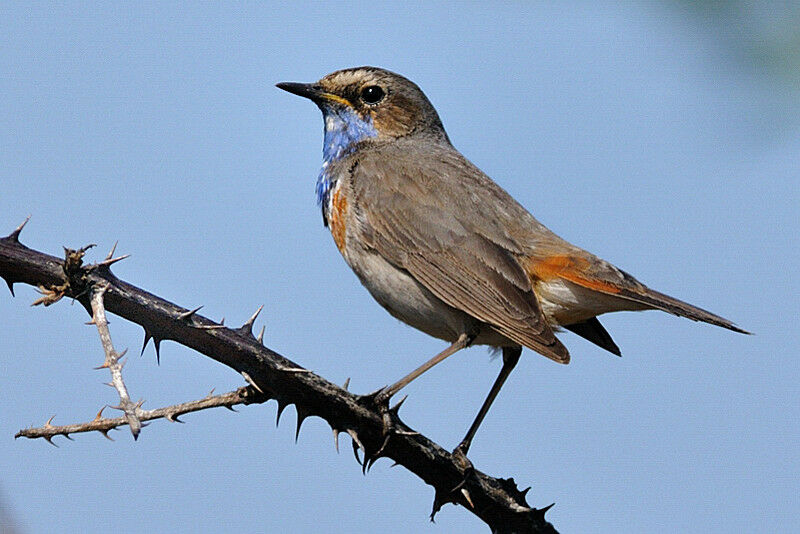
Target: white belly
[409, 301]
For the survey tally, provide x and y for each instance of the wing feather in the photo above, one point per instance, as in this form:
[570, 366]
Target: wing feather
[412, 223]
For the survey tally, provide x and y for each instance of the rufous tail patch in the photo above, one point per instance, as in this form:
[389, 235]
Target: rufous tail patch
[572, 268]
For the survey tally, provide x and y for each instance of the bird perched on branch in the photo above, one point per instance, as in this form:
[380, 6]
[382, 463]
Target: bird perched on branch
[444, 248]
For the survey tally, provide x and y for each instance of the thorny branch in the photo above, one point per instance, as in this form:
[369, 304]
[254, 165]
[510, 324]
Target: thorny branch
[244, 395]
[498, 502]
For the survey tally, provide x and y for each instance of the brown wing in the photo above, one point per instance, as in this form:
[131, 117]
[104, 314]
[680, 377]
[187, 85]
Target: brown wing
[419, 227]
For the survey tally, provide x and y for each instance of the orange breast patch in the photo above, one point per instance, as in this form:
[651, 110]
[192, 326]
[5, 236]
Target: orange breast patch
[336, 219]
[572, 268]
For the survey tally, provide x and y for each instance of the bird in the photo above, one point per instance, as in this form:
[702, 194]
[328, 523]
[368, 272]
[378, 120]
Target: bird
[445, 249]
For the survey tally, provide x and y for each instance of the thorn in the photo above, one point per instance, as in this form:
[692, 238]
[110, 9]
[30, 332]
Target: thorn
[302, 414]
[14, 236]
[355, 453]
[111, 252]
[222, 322]
[439, 500]
[252, 382]
[281, 406]
[157, 345]
[172, 418]
[247, 327]
[353, 434]
[122, 354]
[10, 285]
[374, 457]
[397, 406]
[187, 314]
[367, 465]
[541, 511]
[105, 433]
[211, 393]
[465, 493]
[147, 338]
[103, 366]
[108, 262]
[260, 337]
[293, 369]
[524, 493]
[336, 439]
[357, 445]
[47, 424]
[99, 414]
[50, 441]
[346, 384]
[90, 323]
[68, 436]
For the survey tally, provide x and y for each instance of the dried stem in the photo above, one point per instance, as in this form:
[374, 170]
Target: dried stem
[113, 363]
[244, 395]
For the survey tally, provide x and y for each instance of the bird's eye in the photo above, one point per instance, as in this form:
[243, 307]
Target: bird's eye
[372, 94]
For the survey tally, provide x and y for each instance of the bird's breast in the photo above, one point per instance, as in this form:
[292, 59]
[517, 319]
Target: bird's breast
[410, 301]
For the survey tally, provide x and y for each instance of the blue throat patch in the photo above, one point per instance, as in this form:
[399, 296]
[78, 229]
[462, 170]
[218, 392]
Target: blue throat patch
[344, 128]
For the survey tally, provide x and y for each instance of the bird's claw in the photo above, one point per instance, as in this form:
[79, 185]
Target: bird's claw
[460, 458]
[460, 492]
[378, 401]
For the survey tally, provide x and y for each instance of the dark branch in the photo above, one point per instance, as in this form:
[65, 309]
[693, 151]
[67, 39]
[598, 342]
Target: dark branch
[498, 502]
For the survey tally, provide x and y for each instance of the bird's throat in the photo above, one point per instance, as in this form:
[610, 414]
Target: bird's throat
[344, 129]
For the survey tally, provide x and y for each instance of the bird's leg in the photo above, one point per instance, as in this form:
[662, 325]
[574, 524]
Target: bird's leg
[380, 399]
[386, 393]
[510, 359]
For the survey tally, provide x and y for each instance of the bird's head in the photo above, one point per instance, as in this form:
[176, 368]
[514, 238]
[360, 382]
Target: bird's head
[368, 102]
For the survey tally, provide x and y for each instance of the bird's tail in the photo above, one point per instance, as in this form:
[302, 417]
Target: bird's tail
[655, 299]
[591, 272]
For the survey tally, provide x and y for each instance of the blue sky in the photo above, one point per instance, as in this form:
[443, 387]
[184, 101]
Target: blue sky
[657, 138]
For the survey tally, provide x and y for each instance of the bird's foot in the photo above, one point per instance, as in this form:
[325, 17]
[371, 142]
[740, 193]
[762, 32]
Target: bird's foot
[460, 458]
[378, 401]
[460, 492]
[468, 473]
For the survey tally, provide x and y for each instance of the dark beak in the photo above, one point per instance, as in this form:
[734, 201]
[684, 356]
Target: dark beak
[306, 90]
[314, 92]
